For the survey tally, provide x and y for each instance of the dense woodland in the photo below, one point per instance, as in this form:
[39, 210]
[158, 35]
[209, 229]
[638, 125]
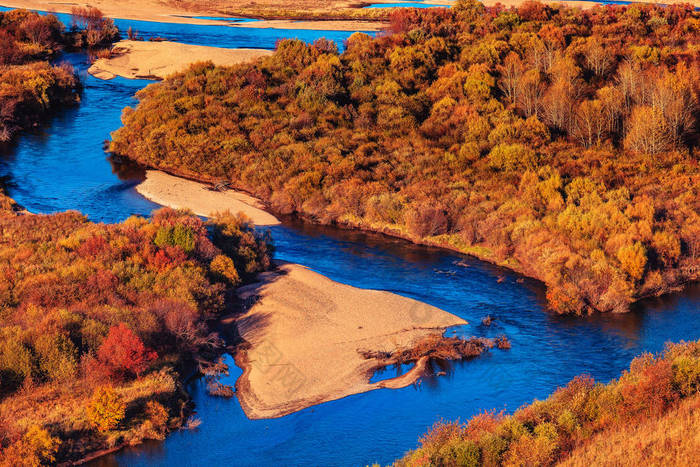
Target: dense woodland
[558, 142]
[649, 416]
[98, 323]
[31, 87]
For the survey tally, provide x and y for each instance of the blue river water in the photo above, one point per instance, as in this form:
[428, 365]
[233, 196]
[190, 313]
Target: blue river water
[62, 165]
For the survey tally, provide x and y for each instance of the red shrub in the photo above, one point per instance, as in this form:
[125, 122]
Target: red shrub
[124, 353]
[92, 247]
[648, 391]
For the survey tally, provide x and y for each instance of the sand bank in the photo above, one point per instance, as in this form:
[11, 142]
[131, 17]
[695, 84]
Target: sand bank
[180, 193]
[304, 334]
[142, 59]
[316, 25]
[164, 12]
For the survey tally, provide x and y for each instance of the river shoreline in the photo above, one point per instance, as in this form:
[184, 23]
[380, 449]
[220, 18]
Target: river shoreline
[203, 200]
[437, 242]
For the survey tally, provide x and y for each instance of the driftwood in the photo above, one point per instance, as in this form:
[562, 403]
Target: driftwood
[437, 347]
[221, 186]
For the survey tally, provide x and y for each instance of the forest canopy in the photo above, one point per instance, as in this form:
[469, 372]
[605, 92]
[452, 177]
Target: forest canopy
[558, 142]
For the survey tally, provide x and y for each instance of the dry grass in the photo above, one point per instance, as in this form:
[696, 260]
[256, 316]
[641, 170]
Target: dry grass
[674, 439]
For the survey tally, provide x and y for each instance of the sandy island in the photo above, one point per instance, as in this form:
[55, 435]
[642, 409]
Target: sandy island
[142, 59]
[304, 335]
[180, 193]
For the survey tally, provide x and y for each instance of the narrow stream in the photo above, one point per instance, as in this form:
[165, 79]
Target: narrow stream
[62, 166]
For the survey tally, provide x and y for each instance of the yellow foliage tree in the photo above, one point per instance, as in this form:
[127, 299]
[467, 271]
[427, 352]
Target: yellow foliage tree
[106, 408]
[667, 246]
[647, 131]
[633, 259]
[37, 447]
[223, 269]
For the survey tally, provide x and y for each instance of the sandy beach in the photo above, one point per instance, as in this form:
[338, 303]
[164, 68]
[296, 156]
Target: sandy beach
[180, 193]
[305, 333]
[142, 59]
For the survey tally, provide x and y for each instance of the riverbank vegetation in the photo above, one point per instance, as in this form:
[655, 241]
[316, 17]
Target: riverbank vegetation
[30, 86]
[558, 142]
[99, 324]
[650, 415]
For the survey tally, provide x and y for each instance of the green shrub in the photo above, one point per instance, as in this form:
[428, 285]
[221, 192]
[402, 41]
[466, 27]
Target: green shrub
[459, 452]
[179, 235]
[686, 375]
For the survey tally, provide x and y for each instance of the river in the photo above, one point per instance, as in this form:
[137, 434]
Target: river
[62, 165]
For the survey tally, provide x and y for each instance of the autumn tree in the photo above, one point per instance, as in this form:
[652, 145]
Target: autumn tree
[647, 131]
[630, 81]
[529, 93]
[35, 448]
[589, 125]
[560, 99]
[511, 72]
[598, 57]
[673, 95]
[633, 259]
[106, 409]
[124, 353]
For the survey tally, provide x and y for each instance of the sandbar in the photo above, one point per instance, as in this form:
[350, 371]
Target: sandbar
[168, 12]
[145, 59]
[316, 25]
[200, 198]
[304, 333]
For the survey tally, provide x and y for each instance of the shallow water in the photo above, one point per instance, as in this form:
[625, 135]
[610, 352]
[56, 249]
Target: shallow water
[63, 166]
